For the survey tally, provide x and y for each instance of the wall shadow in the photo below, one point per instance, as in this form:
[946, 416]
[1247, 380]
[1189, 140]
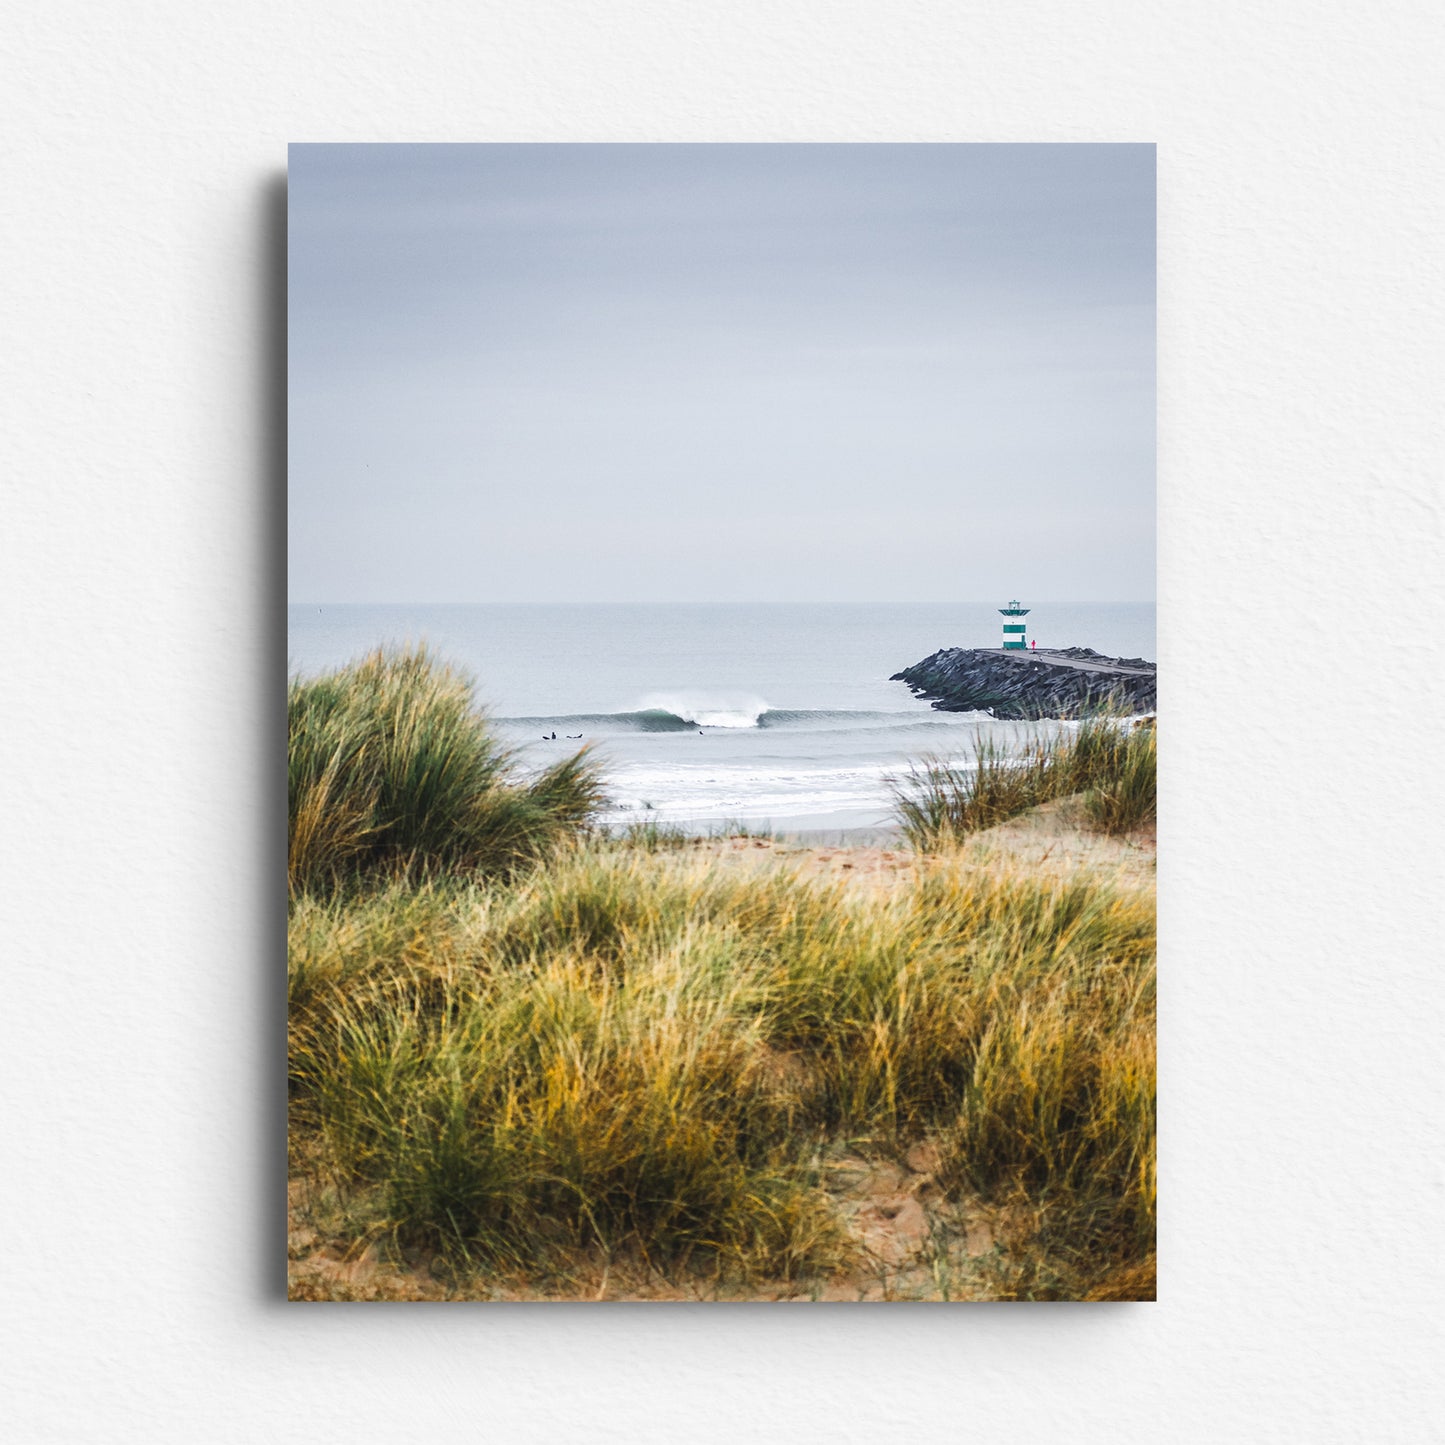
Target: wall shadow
[270, 602]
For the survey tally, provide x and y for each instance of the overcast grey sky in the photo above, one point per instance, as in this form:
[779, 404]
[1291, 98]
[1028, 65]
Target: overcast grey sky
[732, 373]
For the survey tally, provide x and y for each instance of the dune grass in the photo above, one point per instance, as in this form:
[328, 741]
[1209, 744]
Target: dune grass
[1110, 761]
[1124, 796]
[633, 1053]
[394, 773]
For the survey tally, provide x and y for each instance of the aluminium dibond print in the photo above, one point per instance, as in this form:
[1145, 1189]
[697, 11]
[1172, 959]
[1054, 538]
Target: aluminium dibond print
[722, 723]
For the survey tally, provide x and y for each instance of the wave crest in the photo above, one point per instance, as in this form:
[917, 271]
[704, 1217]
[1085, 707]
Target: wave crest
[704, 711]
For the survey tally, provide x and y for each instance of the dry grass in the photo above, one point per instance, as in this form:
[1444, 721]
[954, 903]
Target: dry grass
[643, 1058]
[1108, 760]
[394, 773]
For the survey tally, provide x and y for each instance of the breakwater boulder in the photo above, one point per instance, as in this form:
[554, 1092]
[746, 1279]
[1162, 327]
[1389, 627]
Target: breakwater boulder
[1049, 682]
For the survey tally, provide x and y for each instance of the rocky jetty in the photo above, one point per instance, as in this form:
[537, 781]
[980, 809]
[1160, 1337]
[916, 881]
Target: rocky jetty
[1049, 682]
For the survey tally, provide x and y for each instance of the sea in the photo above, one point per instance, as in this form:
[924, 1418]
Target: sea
[773, 717]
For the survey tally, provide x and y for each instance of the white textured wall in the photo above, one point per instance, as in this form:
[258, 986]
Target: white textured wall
[141, 456]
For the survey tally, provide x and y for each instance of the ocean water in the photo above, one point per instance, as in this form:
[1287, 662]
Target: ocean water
[774, 715]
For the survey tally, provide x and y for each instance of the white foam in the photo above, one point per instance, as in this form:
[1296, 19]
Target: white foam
[715, 710]
[675, 793]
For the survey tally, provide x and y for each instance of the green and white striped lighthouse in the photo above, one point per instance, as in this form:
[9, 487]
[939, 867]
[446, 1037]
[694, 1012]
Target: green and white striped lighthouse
[1014, 627]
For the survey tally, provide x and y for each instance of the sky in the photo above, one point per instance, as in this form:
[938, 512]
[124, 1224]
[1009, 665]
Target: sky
[793, 373]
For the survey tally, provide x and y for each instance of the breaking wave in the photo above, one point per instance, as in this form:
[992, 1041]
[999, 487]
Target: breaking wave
[689, 717]
[705, 711]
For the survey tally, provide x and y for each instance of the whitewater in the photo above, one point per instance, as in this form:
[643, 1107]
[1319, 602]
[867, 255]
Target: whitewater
[776, 716]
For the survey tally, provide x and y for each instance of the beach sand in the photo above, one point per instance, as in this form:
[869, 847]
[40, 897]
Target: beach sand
[1052, 837]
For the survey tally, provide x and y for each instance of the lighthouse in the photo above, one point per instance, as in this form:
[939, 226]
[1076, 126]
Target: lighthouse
[1014, 626]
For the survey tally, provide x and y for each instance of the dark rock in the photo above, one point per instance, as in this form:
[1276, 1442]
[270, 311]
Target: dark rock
[1055, 682]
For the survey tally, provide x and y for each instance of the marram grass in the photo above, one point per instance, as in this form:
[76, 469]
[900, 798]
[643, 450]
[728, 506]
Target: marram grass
[1109, 760]
[393, 772]
[629, 1053]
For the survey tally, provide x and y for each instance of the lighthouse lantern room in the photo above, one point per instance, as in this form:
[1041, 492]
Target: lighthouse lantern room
[1014, 627]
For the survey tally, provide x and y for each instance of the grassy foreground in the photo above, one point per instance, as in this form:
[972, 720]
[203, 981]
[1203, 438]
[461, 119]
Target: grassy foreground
[571, 1066]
